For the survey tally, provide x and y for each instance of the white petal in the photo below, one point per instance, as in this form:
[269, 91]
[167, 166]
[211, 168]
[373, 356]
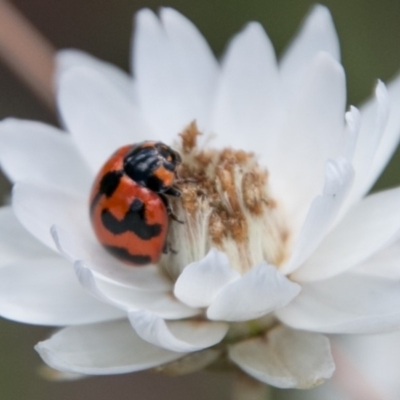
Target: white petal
[16, 244]
[200, 282]
[33, 151]
[100, 118]
[312, 134]
[102, 349]
[368, 227]
[71, 58]
[43, 210]
[179, 336]
[77, 244]
[373, 124]
[262, 290]
[384, 263]
[348, 303]
[316, 34]
[46, 292]
[353, 124]
[376, 360]
[38, 207]
[286, 358]
[248, 98]
[175, 72]
[162, 304]
[390, 137]
[323, 211]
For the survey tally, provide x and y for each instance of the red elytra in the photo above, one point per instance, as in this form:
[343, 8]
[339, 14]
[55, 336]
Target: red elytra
[128, 208]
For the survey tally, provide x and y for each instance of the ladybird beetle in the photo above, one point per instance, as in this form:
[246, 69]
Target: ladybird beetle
[129, 209]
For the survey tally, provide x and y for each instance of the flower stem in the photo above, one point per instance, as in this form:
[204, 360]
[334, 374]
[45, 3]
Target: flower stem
[26, 52]
[246, 388]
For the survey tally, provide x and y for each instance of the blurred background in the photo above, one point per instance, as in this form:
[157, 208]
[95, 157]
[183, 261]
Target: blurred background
[370, 40]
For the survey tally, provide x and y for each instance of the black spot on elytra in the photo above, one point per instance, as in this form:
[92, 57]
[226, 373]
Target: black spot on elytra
[155, 184]
[110, 182]
[124, 255]
[108, 185]
[134, 221]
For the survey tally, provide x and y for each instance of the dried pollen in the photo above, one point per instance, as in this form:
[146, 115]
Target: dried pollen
[225, 204]
[253, 196]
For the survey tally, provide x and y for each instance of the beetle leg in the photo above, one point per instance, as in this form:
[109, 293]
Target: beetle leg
[169, 208]
[168, 249]
[173, 191]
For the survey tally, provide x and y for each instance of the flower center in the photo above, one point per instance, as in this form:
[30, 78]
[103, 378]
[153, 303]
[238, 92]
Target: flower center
[225, 204]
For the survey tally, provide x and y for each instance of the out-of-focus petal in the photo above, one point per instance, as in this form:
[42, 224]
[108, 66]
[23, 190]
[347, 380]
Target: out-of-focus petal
[375, 358]
[391, 136]
[374, 120]
[175, 72]
[317, 34]
[100, 118]
[248, 105]
[38, 207]
[313, 133]
[262, 290]
[384, 263]
[35, 152]
[368, 227]
[102, 349]
[348, 303]
[72, 58]
[179, 336]
[373, 166]
[46, 292]
[286, 358]
[16, 244]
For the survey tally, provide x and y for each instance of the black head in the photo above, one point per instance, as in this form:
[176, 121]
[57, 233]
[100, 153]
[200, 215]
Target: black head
[152, 165]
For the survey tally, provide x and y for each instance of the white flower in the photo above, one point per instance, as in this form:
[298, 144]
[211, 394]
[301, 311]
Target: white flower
[265, 265]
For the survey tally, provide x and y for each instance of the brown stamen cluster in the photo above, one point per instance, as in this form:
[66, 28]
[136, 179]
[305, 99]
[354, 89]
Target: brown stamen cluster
[225, 204]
